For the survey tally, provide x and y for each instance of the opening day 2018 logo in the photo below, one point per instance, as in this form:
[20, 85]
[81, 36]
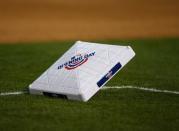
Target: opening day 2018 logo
[76, 61]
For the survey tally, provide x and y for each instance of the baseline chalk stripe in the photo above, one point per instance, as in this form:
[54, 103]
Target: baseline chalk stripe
[141, 88]
[107, 87]
[12, 93]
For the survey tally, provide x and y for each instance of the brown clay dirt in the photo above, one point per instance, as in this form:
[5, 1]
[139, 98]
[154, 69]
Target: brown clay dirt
[41, 20]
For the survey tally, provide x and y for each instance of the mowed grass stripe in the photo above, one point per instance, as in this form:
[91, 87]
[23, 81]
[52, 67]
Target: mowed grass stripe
[108, 110]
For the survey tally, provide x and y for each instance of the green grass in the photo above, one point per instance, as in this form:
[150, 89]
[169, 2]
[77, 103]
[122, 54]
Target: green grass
[155, 65]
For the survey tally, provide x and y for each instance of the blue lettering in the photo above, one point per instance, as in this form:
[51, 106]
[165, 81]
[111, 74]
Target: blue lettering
[75, 59]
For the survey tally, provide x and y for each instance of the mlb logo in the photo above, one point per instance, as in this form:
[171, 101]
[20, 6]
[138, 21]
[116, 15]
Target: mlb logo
[82, 71]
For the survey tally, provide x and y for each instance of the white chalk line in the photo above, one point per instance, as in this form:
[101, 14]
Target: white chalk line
[141, 88]
[107, 87]
[12, 93]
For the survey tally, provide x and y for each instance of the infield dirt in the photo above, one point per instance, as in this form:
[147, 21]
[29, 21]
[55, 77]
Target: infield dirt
[33, 20]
